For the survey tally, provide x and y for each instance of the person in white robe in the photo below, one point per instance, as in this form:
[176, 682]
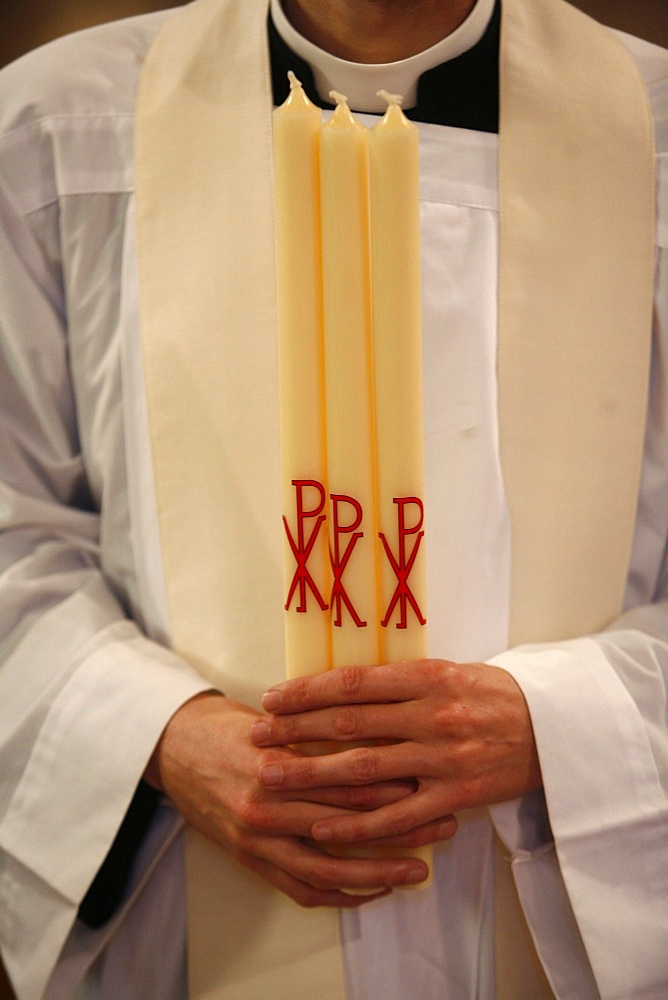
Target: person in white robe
[553, 755]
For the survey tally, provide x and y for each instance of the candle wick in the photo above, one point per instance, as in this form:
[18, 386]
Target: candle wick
[294, 81]
[338, 98]
[390, 98]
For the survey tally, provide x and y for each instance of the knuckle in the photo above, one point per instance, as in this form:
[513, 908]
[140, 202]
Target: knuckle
[401, 822]
[456, 718]
[298, 692]
[447, 679]
[289, 729]
[346, 722]
[250, 812]
[243, 808]
[232, 837]
[365, 764]
[301, 686]
[351, 679]
[308, 770]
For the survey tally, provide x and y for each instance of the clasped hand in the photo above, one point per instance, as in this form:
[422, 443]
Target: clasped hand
[461, 732]
[443, 737]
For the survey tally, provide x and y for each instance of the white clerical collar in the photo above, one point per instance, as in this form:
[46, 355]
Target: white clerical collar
[360, 82]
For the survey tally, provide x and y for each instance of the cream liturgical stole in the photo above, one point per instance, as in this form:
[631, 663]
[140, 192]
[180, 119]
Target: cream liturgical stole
[576, 268]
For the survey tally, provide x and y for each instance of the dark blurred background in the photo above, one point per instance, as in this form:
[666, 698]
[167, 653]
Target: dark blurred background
[25, 24]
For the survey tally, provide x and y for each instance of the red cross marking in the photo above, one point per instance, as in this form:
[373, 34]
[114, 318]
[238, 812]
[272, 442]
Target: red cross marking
[403, 566]
[302, 548]
[340, 560]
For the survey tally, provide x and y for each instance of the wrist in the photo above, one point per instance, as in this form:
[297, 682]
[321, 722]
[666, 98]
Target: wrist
[153, 772]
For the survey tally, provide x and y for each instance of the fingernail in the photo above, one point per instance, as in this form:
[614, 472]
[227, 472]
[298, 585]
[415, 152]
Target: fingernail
[271, 700]
[271, 774]
[260, 731]
[416, 874]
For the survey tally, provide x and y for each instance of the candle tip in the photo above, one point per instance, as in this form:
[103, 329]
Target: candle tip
[390, 98]
[294, 81]
[337, 97]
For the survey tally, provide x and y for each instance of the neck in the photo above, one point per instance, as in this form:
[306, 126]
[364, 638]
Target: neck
[376, 31]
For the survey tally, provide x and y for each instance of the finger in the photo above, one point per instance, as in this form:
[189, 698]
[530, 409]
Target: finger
[430, 833]
[323, 872]
[424, 808]
[365, 765]
[352, 685]
[287, 814]
[302, 893]
[339, 725]
[361, 797]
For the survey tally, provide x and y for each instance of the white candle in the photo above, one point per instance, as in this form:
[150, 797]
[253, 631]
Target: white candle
[349, 387]
[301, 369]
[365, 440]
[397, 352]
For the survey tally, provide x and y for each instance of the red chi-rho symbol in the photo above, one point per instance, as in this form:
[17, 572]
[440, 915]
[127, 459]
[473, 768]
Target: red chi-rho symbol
[303, 546]
[340, 557]
[402, 566]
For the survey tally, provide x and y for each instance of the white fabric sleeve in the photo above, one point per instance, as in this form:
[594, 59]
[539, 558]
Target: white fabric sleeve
[84, 695]
[598, 707]
[590, 856]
